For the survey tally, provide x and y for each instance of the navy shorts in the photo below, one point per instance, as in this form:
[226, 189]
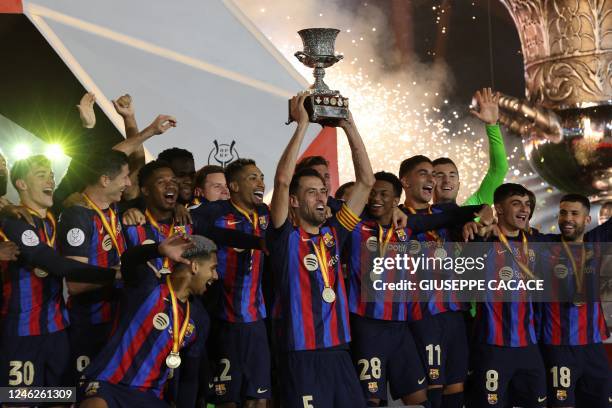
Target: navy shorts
[494, 368]
[35, 361]
[243, 363]
[319, 379]
[86, 341]
[577, 370]
[384, 352]
[118, 395]
[442, 345]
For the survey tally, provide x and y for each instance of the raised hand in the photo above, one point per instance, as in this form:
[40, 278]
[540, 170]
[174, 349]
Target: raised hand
[297, 110]
[174, 246]
[86, 110]
[123, 105]
[182, 215]
[133, 216]
[487, 103]
[162, 123]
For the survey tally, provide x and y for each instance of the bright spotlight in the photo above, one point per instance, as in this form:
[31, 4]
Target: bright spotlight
[21, 151]
[54, 151]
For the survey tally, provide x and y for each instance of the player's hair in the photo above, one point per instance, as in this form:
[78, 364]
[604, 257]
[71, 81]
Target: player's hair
[202, 248]
[175, 153]
[234, 168]
[147, 171]
[410, 163]
[295, 180]
[342, 189]
[507, 190]
[107, 163]
[390, 178]
[443, 160]
[200, 177]
[577, 198]
[532, 202]
[309, 161]
[21, 167]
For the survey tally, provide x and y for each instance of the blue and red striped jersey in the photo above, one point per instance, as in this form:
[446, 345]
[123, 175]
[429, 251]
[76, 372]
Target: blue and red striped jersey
[139, 234]
[240, 271]
[136, 352]
[506, 323]
[81, 233]
[32, 301]
[306, 321]
[564, 323]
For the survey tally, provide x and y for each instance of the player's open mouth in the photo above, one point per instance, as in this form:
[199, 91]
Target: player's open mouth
[428, 189]
[170, 197]
[320, 207]
[521, 218]
[568, 227]
[376, 206]
[48, 191]
[210, 282]
[447, 189]
[259, 194]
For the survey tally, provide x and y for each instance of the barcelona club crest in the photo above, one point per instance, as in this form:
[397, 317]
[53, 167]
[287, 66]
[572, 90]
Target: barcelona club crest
[92, 388]
[263, 222]
[328, 239]
[492, 399]
[373, 387]
[220, 389]
[434, 373]
[401, 235]
[561, 395]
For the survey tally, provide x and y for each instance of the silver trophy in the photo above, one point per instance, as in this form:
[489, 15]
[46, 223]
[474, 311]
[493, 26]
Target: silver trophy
[324, 106]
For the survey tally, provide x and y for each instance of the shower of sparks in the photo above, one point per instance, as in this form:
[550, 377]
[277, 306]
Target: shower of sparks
[396, 119]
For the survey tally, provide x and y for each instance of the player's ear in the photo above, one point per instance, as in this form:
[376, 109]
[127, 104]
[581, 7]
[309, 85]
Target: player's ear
[144, 191]
[498, 209]
[233, 187]
[293, 201]
[404, 181]
[21, 185]
[194, 267]
[587, 220]
[396, 201]
[104, 180]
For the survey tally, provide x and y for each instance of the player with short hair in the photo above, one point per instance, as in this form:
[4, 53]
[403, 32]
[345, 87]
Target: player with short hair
[344, 191]
[33, 316]
[310, 306]
[505, 341]
[182, 164]
[243, 374]
[210, 185]
[160, 329]
[383, 347]
[93, 235]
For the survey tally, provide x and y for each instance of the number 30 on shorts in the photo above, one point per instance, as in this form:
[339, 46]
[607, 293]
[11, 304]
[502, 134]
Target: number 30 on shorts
[21, 373]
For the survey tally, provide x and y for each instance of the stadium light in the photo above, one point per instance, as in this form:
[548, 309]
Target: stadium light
[21, 151]
[54, 152]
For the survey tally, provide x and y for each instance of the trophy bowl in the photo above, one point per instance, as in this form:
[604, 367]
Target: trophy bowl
[324, 106]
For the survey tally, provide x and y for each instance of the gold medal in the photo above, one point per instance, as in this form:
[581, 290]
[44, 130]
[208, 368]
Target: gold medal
[329, 295]
[40, 273]
[164, 271]
[440, 253]
[560, 271]
[173, 360]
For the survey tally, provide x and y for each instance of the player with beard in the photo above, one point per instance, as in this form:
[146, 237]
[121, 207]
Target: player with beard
[446, 172]
[572, 332]
[93, 235]
[243, 376]
[383, 347]
[210, 185]
[440, 323]
[33, 316]
[310, 304]
[505, 343]
[160, 328]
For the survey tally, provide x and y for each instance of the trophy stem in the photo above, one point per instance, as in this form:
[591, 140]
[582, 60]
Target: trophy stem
[319, 85]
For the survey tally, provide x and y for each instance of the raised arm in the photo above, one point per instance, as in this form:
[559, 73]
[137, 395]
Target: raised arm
[498, 161]
[125, 108]
[364, 176]
[286, 165]
[157, 127]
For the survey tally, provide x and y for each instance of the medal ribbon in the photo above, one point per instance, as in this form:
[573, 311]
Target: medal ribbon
[177, 336]
[321, 254]
[382, 244]
[521, 265]
[49, 217]
[3, 236]
[431, 233]
[155, 225]
[578, 273]
[254, 222]
[110, 229]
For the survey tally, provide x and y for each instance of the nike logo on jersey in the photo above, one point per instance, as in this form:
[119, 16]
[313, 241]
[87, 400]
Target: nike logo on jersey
[470, 372]
[501, 252]
[421, 381]
[260, 391]
[367, 228]
[234, 222]
[541, 399]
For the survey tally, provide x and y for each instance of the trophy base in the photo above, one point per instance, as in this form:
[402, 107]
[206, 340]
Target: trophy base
[326, 109]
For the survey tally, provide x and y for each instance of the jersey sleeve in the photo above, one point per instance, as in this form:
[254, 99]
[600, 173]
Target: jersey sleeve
[134, 269]
[496, 173]
[74, 231]
[344, 222]
[334, 204]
